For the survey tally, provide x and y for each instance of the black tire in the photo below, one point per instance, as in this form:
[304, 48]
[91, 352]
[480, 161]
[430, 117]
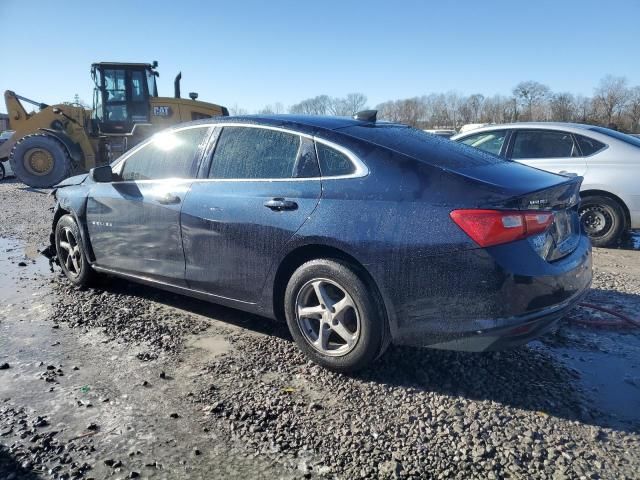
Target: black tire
[48, 147]
[367, 318]
[603, 219]
[2, 171]
[79, 272]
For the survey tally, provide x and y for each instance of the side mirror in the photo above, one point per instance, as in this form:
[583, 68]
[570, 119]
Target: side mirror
[102, 174]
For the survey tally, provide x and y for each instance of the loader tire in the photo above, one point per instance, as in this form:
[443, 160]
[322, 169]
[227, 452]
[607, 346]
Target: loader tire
[40, 160]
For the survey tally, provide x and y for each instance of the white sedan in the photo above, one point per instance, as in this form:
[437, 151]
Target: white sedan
[608, 160]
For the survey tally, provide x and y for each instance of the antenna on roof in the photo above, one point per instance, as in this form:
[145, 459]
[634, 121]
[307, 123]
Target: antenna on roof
[367, 115]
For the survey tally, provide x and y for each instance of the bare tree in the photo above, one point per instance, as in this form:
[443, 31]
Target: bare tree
[633, 108]
[275, 109]
[236, 110]
[611, 96]
[530, 94]
[354, 102]
[319, 105]
[562, 107]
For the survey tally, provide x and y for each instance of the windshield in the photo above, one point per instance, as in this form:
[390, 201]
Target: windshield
[631, 140]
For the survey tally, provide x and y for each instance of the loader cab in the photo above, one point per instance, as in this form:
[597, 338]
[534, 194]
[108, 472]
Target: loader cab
[121, 95]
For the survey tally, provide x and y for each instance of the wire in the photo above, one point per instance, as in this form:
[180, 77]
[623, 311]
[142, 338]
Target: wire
[622, 319]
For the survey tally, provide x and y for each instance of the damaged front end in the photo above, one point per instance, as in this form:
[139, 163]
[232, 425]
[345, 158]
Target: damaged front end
[70, 198]
[50, 250]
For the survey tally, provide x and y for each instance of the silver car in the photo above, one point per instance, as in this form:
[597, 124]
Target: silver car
[5, 167]
[608, 160]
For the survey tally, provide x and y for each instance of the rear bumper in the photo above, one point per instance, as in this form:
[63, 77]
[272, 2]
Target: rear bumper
[520, 331]
[485, 299]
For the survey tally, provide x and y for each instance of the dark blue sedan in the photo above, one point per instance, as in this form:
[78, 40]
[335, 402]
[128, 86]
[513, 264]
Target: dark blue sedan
[358, 233]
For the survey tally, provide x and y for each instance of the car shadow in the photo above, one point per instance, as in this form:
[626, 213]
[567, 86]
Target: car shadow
[212, 311]
[629, 241]
[531, 378]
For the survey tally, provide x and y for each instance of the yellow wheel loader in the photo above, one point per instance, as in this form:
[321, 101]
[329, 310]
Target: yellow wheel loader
[65, 139]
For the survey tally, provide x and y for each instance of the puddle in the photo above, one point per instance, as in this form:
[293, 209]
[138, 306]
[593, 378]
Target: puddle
[19, 264]
[75, 379]
[212, 347]
[608, 373]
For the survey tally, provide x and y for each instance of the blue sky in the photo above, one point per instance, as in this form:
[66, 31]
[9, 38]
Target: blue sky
[252, 53]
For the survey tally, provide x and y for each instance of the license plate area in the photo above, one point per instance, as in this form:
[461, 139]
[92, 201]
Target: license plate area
[565, 232]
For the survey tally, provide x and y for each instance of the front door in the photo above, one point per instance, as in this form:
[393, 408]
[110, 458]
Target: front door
[134, 223]
[261, 187]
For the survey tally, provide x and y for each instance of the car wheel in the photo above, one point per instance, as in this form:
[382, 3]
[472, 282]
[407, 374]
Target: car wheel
[602, 219]
[71, 254]
[335, 319]
[2, 172]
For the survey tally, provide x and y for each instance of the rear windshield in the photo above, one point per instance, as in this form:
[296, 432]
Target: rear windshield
[432, 149]
[618, 135]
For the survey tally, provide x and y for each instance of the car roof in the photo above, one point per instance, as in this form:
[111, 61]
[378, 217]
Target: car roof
[567, 126]
[309, 124]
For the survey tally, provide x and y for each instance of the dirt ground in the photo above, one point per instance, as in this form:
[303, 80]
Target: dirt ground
[125, 381]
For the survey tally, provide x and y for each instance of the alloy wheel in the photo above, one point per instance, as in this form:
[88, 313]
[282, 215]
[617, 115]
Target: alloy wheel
[328, 317]
[70, 253]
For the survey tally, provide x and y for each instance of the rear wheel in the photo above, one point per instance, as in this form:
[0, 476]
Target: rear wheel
[40, 161]
[602, 219]
[335, 319]
[2, 172]
[71, 253]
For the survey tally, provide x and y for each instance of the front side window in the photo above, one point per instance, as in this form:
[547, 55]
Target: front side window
[543, 144]
[169, 155]
[589, 146]
[488, 141]
[255, 153]
[332, 162]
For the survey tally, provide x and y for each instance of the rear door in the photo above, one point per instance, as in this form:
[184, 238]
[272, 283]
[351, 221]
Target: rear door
[260, 187]
[134, 223]
[551, 150]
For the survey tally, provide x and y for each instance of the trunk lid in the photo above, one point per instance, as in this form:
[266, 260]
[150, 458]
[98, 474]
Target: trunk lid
[562, 199]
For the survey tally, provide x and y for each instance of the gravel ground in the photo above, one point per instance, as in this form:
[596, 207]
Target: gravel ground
[416, 413]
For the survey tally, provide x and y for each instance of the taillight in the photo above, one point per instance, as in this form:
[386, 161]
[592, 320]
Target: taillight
[493, 227]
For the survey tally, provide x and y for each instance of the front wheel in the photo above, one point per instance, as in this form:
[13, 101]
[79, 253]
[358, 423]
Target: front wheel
[71, 253]
[2, 172]
[335, 319]
[602, 219]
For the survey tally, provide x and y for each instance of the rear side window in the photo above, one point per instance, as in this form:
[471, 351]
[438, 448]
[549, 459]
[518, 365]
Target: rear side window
[589, 146]
[169, 155]
[332, 162]
[488, 141]
[246, 153]
[543, 144]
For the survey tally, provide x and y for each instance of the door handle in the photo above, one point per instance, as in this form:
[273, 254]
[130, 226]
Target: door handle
[567, 174]
[280, 204]
[169, 199]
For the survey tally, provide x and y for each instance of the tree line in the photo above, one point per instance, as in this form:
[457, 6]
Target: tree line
[614, 104]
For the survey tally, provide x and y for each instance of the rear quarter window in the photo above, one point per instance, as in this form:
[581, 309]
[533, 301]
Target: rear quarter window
[589, 146]
[431, 149]
[332, 162]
